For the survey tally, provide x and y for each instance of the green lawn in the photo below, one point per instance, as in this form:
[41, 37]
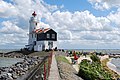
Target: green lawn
[62, 58]
[41, 53]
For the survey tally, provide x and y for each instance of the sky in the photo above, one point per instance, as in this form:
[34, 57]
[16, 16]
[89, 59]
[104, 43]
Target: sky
[80, 24]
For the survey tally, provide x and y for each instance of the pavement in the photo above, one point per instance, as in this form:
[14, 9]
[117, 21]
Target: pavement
[54, 73]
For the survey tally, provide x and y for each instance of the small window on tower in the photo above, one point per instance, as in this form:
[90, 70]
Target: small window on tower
[32, 35]
[36, 24]
[48, 35]
[35, 35]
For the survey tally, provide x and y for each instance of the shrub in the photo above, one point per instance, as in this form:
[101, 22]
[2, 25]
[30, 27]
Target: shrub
[92, 70]
[95, 58]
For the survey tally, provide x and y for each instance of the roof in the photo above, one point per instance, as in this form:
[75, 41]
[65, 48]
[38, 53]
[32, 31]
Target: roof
[42, 30]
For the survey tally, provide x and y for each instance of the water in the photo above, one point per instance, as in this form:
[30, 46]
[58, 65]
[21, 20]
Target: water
[7, 50]
[7, 62]
[108, 51]
[116, 62]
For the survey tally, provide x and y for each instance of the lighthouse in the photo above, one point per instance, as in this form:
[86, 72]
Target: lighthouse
[33, 23]
[40, 38]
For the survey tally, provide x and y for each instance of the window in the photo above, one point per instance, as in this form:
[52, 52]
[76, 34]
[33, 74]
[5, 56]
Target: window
[36, 24]
[53, 36]
[35, 35]
[32, 35]
[48, 35]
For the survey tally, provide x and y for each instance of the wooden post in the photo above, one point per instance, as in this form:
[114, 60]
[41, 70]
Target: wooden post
[49, 65]
[44, 71]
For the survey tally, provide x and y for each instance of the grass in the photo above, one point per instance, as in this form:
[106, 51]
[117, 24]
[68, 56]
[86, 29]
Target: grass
[62, 58]
[113, 74]
[41, 53]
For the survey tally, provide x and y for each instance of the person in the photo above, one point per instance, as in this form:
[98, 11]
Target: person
[75, 57]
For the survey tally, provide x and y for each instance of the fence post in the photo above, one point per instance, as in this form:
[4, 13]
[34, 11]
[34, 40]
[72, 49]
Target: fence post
[48, 65]
[44, 71]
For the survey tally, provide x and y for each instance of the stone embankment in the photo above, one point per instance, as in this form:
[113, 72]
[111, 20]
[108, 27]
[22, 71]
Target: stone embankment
[66, 70]
[20, 70]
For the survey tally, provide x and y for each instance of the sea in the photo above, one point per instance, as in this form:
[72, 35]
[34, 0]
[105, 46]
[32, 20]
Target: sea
[116, 62]
[7, 62]
[7, 50]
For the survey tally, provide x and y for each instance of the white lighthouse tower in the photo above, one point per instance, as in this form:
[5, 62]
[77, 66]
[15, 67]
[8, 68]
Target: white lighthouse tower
[33, 23]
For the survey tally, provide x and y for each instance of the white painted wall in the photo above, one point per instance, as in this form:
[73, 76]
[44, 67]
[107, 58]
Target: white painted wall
[39, 45]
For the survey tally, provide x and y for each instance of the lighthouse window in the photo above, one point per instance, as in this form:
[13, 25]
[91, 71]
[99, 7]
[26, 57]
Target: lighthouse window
[36, 24]
[32, 35]
[48, 35]
[35, 35]
[53, 36]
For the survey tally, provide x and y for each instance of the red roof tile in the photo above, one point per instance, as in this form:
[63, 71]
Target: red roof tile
[42, 30]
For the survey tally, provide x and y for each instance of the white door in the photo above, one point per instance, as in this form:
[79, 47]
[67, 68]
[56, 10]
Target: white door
[50, 44]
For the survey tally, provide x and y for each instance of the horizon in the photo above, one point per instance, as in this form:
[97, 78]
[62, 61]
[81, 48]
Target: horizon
[80, 24]
[73, 49]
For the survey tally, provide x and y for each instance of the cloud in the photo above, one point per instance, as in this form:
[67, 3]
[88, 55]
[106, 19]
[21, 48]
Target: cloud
[12, 35]
[7, 9]
[64, 35]
[79, 28]
[9, 27]
[105, 4]
[113, 17]
[78, 21]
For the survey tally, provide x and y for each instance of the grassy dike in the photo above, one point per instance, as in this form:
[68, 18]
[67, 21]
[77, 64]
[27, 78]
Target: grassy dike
[62, 58]
[113, 74]
[66, 71]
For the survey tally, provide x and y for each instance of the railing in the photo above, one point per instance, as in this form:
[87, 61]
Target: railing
[41, 72]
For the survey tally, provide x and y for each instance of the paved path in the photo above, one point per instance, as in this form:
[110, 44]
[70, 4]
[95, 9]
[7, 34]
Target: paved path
[54, 73]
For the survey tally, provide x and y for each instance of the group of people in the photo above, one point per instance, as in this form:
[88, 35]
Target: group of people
[75, 55]
[19, 69]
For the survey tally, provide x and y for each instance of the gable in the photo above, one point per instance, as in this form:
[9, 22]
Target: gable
[47, 35]
[51, 31]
